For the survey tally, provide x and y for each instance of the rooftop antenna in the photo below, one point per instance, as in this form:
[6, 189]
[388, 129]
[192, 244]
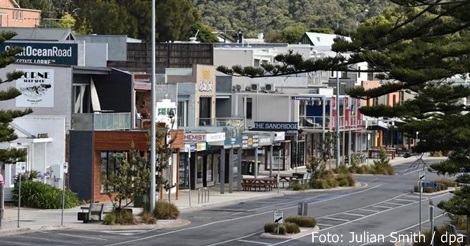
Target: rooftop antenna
[193, 39]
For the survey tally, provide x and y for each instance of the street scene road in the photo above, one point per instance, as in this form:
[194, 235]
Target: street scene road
[384, 206]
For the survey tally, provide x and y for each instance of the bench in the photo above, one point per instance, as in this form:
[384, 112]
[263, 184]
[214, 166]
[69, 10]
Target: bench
[258, 183]
[89, 211]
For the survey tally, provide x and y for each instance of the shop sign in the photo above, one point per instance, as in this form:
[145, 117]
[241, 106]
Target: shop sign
[250, 141]
[268, 125]
[45, 53]
[215, 137]
[265, 141]
[37, 88]
[305, 98]
[193, 137]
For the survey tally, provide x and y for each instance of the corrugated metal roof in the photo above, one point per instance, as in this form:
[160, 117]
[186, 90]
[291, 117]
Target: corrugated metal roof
[40, 34]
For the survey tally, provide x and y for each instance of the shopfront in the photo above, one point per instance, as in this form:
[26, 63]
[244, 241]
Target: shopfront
[200, 161]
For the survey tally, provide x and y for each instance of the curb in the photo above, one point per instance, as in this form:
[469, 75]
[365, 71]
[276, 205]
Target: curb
[161, 224]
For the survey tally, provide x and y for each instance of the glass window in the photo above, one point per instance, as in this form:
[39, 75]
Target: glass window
[199, 169]
[249, 108]
[209, 176]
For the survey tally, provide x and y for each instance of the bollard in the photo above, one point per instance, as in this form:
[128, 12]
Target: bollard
[202, 195]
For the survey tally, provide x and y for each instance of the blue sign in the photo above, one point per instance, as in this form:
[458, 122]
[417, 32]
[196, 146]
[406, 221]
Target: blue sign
[429, 185]
[275, 126]
[306, 98]
[45, 53]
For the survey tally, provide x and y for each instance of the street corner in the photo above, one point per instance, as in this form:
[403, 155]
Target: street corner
[9, 232]
[304, 231]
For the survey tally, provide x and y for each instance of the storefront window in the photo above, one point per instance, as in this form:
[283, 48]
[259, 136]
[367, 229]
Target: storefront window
[209, 176]
[110, 162]
[184, 171]
[199, 169]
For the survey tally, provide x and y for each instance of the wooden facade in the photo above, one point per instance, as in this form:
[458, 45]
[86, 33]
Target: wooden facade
[119, 141]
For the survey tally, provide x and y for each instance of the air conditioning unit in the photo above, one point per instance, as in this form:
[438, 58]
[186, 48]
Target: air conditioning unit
[270, 87]
[255, 87]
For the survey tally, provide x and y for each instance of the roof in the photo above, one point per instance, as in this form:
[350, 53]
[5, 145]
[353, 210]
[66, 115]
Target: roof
[322, 39]
[40, 34]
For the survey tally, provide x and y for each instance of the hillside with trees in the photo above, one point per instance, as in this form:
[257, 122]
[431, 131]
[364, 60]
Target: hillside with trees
[279, 20]
[271, 16]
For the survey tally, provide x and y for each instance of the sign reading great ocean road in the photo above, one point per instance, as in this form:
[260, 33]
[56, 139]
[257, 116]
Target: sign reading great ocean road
[45, 53]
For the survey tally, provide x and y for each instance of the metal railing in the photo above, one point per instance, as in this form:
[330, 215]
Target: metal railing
[229, 121]
[324, 123]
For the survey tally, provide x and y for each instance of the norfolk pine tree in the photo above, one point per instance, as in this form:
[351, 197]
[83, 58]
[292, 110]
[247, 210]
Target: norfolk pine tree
[7, 134]
[419, 46]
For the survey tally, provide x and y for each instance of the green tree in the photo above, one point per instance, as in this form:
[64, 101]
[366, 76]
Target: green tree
[132, 178]
[7, 134]
[67, 21]
[420, 47]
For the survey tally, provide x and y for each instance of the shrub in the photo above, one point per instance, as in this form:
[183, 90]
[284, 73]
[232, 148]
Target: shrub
[360, 169]
[302, 221]
[109, 219]
[124, 216]
[39, 195]
[342, 169]
[148, 218]
[291, 227]
[319, 184]
[166, 211]
[446, 182]
[345, 180]
[463, 178]
[384, 168]
[272, 228]
[297, 186]
[332, 183]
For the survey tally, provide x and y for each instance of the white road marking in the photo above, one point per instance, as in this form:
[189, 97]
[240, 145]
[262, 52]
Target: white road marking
[353, 214]
[380, 206]
[329, 218]
[394, 203]
[351, 221]
[233, 219]
[368, 210]
[254, 242]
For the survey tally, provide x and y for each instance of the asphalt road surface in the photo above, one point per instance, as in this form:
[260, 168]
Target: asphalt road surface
[380, 214]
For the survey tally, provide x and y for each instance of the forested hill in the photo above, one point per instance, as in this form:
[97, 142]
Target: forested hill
[263, 16]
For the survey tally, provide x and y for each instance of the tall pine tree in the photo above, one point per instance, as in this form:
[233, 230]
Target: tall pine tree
[7, 134]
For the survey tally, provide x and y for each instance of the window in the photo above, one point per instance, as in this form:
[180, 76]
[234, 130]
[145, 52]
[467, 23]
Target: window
[205, 109]
[249, 108]
[182, 113]
[110, 161]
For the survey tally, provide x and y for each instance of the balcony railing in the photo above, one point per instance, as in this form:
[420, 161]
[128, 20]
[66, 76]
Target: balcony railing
[324, 123]
[101, 121]
[229, 121]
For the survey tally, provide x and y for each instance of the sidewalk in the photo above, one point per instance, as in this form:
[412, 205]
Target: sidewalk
[49, 219]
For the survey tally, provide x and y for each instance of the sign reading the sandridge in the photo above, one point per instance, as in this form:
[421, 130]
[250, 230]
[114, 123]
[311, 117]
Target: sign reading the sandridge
[37, 88]
[285, 126]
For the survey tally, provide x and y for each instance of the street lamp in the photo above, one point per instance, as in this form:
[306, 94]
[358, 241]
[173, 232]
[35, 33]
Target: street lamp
[152, 126]
[337, 120]
[171, 114]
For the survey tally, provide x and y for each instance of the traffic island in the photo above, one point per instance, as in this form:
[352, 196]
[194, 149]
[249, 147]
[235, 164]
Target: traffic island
[290, 227]
[303, 231]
